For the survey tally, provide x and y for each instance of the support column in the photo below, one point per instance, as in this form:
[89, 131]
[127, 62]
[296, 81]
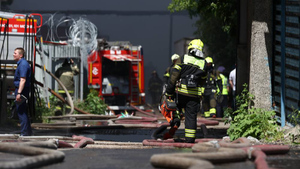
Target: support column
[261, 53]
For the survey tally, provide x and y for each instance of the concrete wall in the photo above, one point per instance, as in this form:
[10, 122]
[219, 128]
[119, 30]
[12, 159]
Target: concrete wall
[255, 50]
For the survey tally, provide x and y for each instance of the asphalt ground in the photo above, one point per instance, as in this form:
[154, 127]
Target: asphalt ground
[92, 158]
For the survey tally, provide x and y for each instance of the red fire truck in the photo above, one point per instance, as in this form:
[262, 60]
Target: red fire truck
[16, 30]
[116, 70]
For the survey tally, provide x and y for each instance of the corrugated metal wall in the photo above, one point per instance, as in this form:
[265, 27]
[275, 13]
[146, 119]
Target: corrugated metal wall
[286, 62]
[54, 57]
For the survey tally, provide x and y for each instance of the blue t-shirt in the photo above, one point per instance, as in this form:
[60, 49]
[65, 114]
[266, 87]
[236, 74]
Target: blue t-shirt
[23, 70]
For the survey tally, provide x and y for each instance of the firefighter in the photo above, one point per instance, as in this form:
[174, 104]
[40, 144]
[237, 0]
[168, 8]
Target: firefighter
[155, 88]
[166, 77]
[188, 74]
[66, 75]
[223, 103]
[210, 94]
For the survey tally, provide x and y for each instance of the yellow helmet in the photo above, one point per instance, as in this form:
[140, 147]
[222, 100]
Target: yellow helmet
[196, 44]
[209, 59]
[175, 57]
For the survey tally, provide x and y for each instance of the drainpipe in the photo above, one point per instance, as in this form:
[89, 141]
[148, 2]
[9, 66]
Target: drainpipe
[282, 98]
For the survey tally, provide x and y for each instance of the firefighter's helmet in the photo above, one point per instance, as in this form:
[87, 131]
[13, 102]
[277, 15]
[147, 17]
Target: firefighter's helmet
[196, 44]
[209, 60]
[175, 57]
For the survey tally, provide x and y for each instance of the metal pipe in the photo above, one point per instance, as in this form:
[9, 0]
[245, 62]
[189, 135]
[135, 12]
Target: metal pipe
[282, 96]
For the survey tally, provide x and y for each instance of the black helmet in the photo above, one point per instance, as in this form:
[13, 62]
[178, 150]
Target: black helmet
[67, 61]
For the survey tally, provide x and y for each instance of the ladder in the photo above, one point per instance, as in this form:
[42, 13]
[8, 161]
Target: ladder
[45, 88]
[135, 78]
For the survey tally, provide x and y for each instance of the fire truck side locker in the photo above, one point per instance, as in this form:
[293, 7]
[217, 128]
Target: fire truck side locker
[16, 30]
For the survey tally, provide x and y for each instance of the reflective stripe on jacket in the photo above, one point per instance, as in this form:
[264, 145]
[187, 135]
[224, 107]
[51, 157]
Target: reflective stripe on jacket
[188, 65]
[224, 84]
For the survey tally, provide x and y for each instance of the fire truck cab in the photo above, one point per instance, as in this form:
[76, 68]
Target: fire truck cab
[116, 70]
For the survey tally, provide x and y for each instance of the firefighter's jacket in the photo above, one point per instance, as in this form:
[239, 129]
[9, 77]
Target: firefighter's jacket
[65, 75]
[213, 82]
[189, 73]
[167, 74]
[224, 84]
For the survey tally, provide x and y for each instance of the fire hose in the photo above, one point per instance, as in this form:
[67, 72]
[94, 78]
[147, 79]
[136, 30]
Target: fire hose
[69, 100]
[61, 98]
[39, 156]
[52, 142]
[239, 150]
[146, 113]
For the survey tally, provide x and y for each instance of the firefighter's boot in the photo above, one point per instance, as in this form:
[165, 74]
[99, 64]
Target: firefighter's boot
[210, 113]
[206, 114]
[213, 112]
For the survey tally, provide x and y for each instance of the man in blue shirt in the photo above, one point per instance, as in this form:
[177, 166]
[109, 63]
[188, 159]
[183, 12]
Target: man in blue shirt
[22, 84]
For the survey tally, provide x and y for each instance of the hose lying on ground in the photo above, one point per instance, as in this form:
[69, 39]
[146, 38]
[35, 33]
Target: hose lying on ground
[82, 141]
[220, 156]
[212, 152]
[165, 161]
[51, 144]
[146, 113]
[238, 143]
[39, 156]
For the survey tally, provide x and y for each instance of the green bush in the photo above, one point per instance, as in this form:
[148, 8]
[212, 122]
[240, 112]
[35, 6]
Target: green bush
[42, 110]
[93, 103]
[250, 121]
[295, 117]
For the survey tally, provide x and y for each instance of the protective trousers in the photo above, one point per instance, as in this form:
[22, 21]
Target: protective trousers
[23, 114]
[191, 106]
[209, 105]
[63, 108]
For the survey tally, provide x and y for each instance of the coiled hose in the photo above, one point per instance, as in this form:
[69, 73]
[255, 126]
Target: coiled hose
[39, 156]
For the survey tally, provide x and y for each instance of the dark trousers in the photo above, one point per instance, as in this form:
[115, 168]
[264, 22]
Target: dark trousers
[234, 100]
[22, 111]
[222, 106]
[155, 98]
[191, 106]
